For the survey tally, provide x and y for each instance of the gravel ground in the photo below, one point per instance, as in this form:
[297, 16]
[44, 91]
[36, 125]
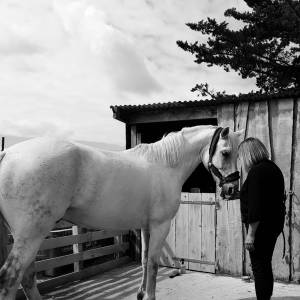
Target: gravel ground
[122, 284]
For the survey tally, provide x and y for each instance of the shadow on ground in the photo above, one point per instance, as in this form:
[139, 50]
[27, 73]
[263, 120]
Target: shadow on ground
[122, 284]
[116, 286]
[276, 298]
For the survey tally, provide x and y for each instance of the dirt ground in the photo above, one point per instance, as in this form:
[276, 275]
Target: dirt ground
[122, 284]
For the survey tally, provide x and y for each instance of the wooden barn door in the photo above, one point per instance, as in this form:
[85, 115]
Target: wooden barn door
[192, 235]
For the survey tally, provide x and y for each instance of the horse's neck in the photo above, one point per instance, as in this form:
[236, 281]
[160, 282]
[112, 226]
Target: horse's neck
[183, 151]
[197, 142]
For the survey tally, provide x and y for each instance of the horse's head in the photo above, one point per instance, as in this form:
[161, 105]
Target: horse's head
[221, 161]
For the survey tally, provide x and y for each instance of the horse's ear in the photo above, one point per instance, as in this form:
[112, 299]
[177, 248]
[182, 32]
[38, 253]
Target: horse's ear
[224, 133]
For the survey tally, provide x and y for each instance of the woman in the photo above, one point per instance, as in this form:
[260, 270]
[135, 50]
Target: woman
[262, 209]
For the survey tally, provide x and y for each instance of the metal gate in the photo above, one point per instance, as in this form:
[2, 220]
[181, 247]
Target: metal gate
[192, 237]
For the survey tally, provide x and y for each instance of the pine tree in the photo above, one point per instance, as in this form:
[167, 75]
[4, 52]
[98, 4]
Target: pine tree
[267, 47]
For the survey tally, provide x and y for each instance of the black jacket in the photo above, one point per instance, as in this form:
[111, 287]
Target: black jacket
[262, 195]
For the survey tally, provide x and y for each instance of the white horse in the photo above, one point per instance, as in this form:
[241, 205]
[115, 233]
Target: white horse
[44, 179]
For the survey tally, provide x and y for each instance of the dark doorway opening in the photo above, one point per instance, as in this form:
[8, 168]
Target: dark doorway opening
[200, 180]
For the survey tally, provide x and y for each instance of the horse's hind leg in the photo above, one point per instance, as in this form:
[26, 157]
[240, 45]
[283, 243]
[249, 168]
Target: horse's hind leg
[145, 246]
[158, 234]
[19, 259]
[29, 283]
[28, 234]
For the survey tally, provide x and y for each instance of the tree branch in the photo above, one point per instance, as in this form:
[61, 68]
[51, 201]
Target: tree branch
[274, 62]
[291, 4]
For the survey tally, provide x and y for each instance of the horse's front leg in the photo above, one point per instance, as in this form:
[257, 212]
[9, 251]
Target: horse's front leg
[29, 283]
[145, 246]
[158, 234]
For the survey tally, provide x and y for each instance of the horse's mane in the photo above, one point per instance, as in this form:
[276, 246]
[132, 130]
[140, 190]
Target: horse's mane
[168, 150]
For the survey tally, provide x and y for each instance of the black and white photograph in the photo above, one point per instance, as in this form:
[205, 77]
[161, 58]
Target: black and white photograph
[150, 150]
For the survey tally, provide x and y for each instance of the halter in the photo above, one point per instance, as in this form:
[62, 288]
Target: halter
[212, 168]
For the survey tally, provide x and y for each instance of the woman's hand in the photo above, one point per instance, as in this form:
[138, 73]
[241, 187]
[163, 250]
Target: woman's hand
[249, 242]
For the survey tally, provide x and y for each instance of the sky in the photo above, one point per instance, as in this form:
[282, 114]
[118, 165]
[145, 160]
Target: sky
[64, 62]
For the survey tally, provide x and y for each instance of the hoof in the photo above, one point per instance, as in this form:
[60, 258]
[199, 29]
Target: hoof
[140, 295]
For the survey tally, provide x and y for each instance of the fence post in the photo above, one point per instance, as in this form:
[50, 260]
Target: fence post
[77, 248]
[118, 239]
[3, 229]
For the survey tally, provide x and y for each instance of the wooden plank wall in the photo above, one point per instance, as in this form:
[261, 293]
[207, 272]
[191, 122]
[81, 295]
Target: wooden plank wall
[229, 245]
[281, 127]
[295, 197]
[276, 124]
[240, 122]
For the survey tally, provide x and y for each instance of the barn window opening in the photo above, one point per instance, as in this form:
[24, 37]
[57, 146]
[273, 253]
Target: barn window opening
[200, 181]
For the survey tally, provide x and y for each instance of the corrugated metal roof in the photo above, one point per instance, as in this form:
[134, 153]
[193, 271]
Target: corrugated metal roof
[196, 103]
[161, 105]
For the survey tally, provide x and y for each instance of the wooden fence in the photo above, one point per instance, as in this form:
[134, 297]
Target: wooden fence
[92, 252]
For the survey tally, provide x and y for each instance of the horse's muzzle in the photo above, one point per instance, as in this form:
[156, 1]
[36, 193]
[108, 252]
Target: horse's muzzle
[230, 192]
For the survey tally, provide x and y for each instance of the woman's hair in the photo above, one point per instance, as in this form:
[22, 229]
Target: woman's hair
[252, 151]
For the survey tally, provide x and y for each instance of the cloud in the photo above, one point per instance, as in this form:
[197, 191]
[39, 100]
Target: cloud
[28, 28]
[64, 62]
[78, 39]
[16, 44]
[32, 129]
[114, 53]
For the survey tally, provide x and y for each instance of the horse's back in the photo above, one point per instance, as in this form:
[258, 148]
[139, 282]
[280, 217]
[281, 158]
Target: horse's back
[39, 156]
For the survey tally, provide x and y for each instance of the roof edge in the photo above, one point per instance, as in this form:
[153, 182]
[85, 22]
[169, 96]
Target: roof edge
[119, 110]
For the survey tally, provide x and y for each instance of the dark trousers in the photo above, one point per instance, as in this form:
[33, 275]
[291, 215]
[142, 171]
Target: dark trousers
[261, 262]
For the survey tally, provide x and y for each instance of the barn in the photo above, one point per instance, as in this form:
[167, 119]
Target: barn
[207, 234]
